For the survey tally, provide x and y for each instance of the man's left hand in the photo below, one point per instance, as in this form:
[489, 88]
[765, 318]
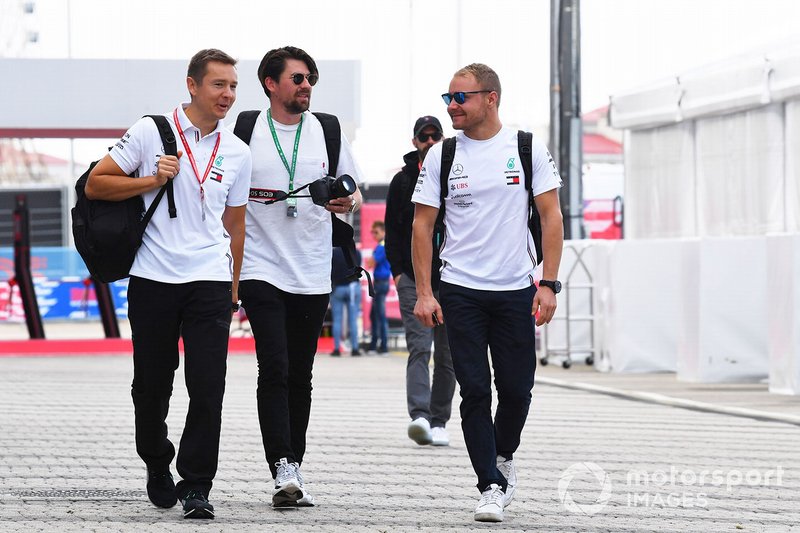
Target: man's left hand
[545, 303]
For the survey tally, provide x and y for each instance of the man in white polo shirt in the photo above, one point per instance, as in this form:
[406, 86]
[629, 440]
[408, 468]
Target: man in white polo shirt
[488, 257]
[184, 279]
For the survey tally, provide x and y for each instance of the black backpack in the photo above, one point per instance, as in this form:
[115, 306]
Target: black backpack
[343, 234]
[524, 143]
[108, 234]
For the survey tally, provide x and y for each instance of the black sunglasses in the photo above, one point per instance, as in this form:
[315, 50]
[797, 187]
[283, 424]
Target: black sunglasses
[423, 137]
[461, 96]
[298, 78]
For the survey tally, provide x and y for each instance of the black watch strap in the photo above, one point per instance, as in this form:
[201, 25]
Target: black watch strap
[553, 285]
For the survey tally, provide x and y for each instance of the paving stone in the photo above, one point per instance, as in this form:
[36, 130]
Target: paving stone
[68, 463]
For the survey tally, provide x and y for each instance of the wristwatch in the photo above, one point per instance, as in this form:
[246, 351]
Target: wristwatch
[554, 286]
[235, 306]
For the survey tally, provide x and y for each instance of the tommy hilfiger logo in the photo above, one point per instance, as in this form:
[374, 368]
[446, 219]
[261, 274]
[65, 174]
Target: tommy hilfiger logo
[512, 180]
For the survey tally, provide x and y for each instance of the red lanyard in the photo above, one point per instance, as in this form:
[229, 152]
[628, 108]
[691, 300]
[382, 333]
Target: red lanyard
[194, 164]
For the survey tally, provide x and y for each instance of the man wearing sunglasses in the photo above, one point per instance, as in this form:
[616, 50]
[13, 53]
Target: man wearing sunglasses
[429, 404]
[486, 290]
[286, 273]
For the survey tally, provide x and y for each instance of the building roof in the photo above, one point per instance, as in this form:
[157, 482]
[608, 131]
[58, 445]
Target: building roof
[10, 154]
[594, 143]
[595, 114]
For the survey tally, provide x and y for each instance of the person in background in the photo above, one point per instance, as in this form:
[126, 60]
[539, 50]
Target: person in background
[429, 403]
[380, 277]
[346, 295]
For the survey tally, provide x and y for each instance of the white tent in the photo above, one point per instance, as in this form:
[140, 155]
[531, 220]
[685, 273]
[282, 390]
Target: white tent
[712, 225]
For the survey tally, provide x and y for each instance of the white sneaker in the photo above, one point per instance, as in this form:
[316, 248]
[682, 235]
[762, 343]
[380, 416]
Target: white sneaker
[490, 507]
[420, 431]
[287, 487]
[439, 437]
[306, 500]
[506, 467]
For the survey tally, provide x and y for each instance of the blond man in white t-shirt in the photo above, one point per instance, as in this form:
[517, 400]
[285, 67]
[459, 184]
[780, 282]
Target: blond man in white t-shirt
[488, 256]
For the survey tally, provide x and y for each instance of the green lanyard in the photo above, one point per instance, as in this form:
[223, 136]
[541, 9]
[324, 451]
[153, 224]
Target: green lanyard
[291, 202]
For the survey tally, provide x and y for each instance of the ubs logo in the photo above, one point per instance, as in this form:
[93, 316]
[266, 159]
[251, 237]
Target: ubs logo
[458, 169]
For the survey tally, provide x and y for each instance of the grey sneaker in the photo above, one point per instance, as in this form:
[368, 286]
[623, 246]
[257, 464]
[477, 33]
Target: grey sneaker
[506, 467]
[490, 506]
[306, 500]
[287, 486]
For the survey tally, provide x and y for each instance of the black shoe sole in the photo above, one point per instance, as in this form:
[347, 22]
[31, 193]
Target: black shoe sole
[286, 498]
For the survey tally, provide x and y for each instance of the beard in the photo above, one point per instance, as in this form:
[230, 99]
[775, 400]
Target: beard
[423, 152]
[295, 108]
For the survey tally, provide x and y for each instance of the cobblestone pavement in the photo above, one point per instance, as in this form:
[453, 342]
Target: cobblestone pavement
[588, 462]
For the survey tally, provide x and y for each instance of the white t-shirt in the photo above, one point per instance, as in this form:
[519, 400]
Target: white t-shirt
[187, 248]
[487, 243]
[291, 253]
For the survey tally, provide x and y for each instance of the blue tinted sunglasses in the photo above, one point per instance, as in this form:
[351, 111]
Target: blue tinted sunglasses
[461, 96]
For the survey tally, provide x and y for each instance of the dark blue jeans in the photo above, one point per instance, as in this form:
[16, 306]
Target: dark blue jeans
[377, 316]
[501, 321]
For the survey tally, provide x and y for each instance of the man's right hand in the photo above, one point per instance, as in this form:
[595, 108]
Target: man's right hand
[426, 308]
[168, 168]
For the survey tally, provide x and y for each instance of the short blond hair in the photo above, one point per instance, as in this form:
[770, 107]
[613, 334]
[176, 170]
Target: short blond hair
[484, 75]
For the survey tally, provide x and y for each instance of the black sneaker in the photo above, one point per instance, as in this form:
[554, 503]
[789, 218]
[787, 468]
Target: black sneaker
[195, 505]
[336, 353]
[356, 352]
[161, 488]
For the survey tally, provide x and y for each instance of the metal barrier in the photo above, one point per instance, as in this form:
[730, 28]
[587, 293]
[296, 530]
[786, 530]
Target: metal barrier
[570, 284]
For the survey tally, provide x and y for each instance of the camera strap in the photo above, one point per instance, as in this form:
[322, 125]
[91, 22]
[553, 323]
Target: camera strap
[290, 201]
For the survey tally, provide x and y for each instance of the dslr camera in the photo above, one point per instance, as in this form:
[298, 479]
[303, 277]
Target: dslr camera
[326, 189]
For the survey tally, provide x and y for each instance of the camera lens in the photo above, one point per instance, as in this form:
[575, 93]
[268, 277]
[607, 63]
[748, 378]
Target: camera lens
[343, 186]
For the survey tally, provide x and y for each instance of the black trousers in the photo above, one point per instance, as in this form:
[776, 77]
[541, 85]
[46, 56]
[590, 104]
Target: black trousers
[160, 313]
[286, 328]
[501, 321]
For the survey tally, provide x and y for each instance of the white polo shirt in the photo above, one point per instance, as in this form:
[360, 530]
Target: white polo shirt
[291, 253]
[487, 243]
[187, 248]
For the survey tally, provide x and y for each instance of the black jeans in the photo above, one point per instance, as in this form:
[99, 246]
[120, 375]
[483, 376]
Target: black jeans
[502, 321]
[160, 313]
[286, 328]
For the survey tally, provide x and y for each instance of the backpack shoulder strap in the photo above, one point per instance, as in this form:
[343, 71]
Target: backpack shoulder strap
[525, 148]
[448, 154]
[170, 148]
[245, 124]
[524, 144]
[333, 139]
